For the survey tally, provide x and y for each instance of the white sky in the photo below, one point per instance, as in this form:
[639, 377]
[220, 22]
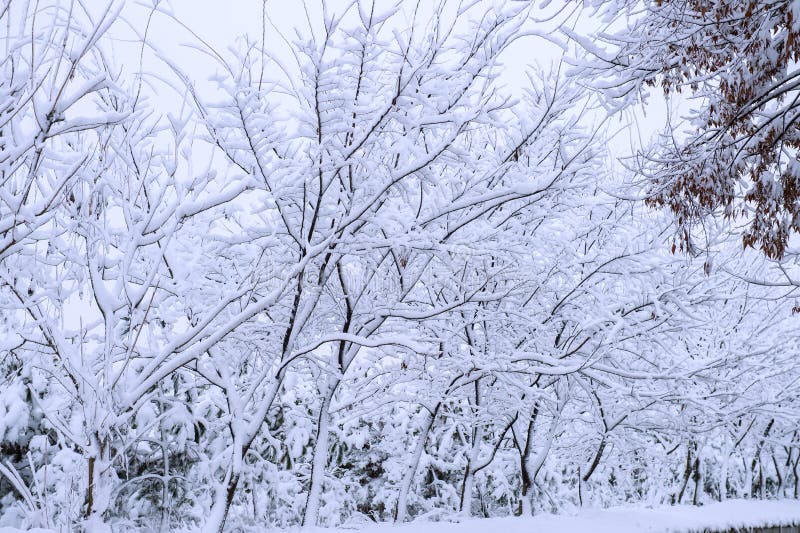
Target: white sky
[222, 23]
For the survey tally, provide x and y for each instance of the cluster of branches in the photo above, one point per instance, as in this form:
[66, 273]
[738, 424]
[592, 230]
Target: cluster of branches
[737, 63]
[362, 281]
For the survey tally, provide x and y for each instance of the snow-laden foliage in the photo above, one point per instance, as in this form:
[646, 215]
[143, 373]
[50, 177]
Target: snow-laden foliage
[737, 61]
[359, 279]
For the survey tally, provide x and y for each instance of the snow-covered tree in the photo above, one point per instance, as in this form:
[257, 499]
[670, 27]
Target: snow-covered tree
[737, 156]
[358, 276]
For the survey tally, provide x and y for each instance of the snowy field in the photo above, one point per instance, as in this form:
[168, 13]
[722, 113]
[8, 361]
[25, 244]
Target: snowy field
[667, 519]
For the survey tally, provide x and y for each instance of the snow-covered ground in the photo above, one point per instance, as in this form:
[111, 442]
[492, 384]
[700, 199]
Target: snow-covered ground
[669, 519]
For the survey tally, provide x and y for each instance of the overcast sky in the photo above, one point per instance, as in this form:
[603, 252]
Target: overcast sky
[222, 24]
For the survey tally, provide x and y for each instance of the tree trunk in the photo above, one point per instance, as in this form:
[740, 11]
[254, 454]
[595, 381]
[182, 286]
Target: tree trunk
[778, 474]
[525, 508]
[538, 460]
[723, 473]
[469, 475]
[242, 440]
[468, 485]
[89, 498]
[696, 477]
[222, 503]
[687, 472]
[320, 459]
[757, 489]
[596, 460]
[401, 509]
[97, 497]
